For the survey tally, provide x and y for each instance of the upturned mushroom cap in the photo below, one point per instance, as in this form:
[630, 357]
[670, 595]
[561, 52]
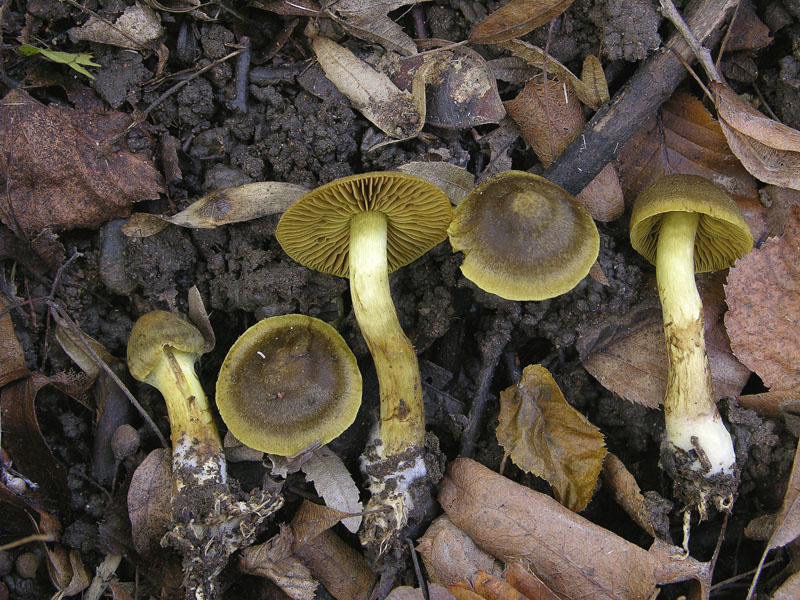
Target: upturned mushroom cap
[154, 331]
[287, 382]
[523, 237]
[315, 230]
[722, 233]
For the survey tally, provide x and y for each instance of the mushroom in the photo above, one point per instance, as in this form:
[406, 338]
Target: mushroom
[288, 383]
[364, 227]
[685, 224]
[208, 521]
[523, 237]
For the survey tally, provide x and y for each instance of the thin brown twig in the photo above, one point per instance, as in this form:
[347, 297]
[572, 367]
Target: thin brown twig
[702, 53]
[36, 537]
[108, 370]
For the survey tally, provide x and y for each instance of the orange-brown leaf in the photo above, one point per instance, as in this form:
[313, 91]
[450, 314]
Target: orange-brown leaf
[763, 320]
[545, 436]
[12, 357]
[526, 582]
[549, 117]
[494, 588]
[515, 19]
[61, 171]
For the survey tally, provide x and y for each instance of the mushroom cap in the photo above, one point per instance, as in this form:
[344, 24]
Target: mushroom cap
[287, 382]
[523, 237]
[315, 230]
[151, 333]
[722, 233]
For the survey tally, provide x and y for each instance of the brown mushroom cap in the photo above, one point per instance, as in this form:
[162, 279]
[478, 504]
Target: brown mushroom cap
[151, 333]
[722, 233]
[315, 230]
[287, 382]
[523, 237]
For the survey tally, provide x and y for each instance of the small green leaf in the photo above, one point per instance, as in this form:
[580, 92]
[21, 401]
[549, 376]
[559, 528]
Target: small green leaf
[75, 61]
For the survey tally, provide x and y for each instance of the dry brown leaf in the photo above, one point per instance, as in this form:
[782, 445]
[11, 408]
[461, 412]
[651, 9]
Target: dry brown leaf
[274, 560]
[118, 592]
[628, 356]
[535, 57]
[768, 149]
[324, 553]
[778, 201]
[545, 436]
[334, 484]
[772, 403]
[435, 592]
[572, 556]
[654, 519]
[149, 500]
[603, 196]
[221, 207]
[549, 117]
[450, 555]
[66, 570]
[463, 591]
[398, 113]
[515, 19]
[763, 321]
[368, 20]
[24, 442]
[58, 171]
[461, 90]
[12, 356]
[789, 589]
[456, 182]
[522, 579]
[594, 80]
[688, 140]
[499, 142]
[135, 28]
[312, 519]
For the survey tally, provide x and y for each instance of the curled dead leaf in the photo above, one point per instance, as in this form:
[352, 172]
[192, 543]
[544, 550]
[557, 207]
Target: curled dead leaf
[572, 556]
[768, 149]
[515, 19]
[221, 207]
[398, 113]
[545, 436]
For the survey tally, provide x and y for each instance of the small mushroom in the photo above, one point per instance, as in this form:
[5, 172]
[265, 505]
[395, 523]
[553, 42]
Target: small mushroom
[523, 237]
[685, 224]
[364, 227]
[288, 383]
[208, 522]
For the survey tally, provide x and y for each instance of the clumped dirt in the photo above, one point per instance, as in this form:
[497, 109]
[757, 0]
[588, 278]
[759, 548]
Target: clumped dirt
[300, 129]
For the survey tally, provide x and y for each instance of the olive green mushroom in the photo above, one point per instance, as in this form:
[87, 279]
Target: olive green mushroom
[685, 224]
[288, 383]
[523, 237]
[364, 227]
[208, 522]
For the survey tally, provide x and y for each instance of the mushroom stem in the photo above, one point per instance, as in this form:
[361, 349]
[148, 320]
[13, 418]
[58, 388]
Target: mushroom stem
[402, 420]
[196, 446]
[693, 422]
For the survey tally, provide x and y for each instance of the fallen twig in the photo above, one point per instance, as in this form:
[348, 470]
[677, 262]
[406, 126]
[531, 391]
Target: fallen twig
[654, 82]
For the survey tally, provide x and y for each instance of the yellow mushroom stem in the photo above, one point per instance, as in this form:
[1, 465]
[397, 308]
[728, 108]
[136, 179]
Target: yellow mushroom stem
[196, 447]
[402, 413]
[692, 420]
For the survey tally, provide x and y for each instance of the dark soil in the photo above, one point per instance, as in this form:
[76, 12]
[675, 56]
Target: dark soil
[300, 129]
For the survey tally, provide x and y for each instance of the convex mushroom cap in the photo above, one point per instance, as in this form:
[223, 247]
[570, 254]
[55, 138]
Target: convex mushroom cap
[288, 382]
[315, 230]
[155, 331]
[722, 233]
[523, 237]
